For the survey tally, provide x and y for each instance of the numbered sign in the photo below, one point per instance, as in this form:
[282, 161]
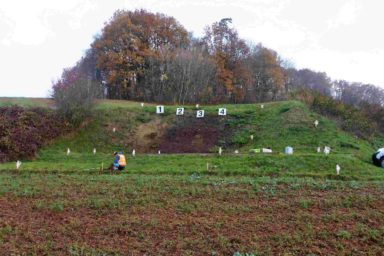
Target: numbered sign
[222, 111]
[200, 113]
[180, 111]
[159, 109]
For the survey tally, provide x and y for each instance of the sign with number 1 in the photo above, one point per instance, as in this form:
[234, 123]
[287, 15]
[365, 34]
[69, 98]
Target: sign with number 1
[159, 109]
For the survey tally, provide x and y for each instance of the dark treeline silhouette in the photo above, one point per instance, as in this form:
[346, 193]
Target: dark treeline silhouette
[144, 56]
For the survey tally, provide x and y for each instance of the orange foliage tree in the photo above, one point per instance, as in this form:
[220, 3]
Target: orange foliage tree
[127, 41]
[228, 52]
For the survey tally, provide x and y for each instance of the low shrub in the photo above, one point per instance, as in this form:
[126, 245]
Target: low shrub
[24, 131]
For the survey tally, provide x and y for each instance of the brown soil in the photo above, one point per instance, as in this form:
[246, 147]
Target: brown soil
[148, 136]
[216, 225]
[191, 135]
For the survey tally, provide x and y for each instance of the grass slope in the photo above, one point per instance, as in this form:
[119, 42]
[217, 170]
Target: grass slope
[197, 204]
[277, 125]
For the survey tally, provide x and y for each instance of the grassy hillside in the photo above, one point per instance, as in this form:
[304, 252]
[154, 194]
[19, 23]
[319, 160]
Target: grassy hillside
[275, 126]
[196, 203]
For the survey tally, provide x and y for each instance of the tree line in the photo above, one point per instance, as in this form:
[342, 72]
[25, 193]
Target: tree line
[147, 56]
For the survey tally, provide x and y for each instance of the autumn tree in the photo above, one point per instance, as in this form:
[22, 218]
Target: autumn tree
[358, 93]
[267, 75]
[306, 78]
[228, 52]
[180, 76]
[127, 41]
[75, 94]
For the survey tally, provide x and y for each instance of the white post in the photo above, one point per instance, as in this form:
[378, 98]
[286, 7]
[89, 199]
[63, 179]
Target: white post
[316, 123]
[114, 129]
[338, 169]
[18, 164]
[142, 104]
[220, 151]
[133, 152]
[94, 151]
[68, 151]
[252, 137]
[197, 105]
[159, 152]
[262, 106]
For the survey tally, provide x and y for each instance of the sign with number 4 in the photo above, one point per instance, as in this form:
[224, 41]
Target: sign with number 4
[200, 113]
[180, 111]
[222, 111]
[159, 109]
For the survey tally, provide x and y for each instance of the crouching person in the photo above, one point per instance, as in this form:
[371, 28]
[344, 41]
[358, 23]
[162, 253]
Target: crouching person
[119, 163]
[378, 158]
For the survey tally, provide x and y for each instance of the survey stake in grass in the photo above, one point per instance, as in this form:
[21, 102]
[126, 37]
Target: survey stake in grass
[338, 169]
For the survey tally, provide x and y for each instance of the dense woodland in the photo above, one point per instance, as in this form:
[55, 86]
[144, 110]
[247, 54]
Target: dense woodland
[144, 56]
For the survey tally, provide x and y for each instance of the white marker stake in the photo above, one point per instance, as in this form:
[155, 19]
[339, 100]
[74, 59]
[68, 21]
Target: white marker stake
[18, 164]
[252, 137]
[133, 152]
[159, 152]
[220, 151]
[327, 150]
[68, 151]
[338, 169]
[142, 104]
[318, 149]
[197, 105]
[114, 129]
[262, 106]
[94, 151]
[316, 123]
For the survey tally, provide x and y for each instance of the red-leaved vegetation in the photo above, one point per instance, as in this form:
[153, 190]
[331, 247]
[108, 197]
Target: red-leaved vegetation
[24, 131]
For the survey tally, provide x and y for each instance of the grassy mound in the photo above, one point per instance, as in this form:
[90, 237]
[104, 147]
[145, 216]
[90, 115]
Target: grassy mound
[127, 125]
[187, 203]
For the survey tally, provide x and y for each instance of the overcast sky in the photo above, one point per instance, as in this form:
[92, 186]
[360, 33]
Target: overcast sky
[343, 38]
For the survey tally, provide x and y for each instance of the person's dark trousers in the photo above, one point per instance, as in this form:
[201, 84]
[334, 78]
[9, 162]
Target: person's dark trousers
[375, 160]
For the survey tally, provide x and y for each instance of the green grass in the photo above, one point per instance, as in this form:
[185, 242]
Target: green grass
[277, 125]
[233, 204]
[315, 166]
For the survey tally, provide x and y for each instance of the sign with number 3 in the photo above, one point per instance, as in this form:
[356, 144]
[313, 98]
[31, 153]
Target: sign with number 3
[200, 113]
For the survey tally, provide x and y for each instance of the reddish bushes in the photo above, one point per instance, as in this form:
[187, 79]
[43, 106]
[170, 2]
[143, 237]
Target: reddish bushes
[24, 131]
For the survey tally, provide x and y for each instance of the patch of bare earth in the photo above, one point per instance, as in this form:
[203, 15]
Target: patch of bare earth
[204, 224]
[191, 135]
[148, 135]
